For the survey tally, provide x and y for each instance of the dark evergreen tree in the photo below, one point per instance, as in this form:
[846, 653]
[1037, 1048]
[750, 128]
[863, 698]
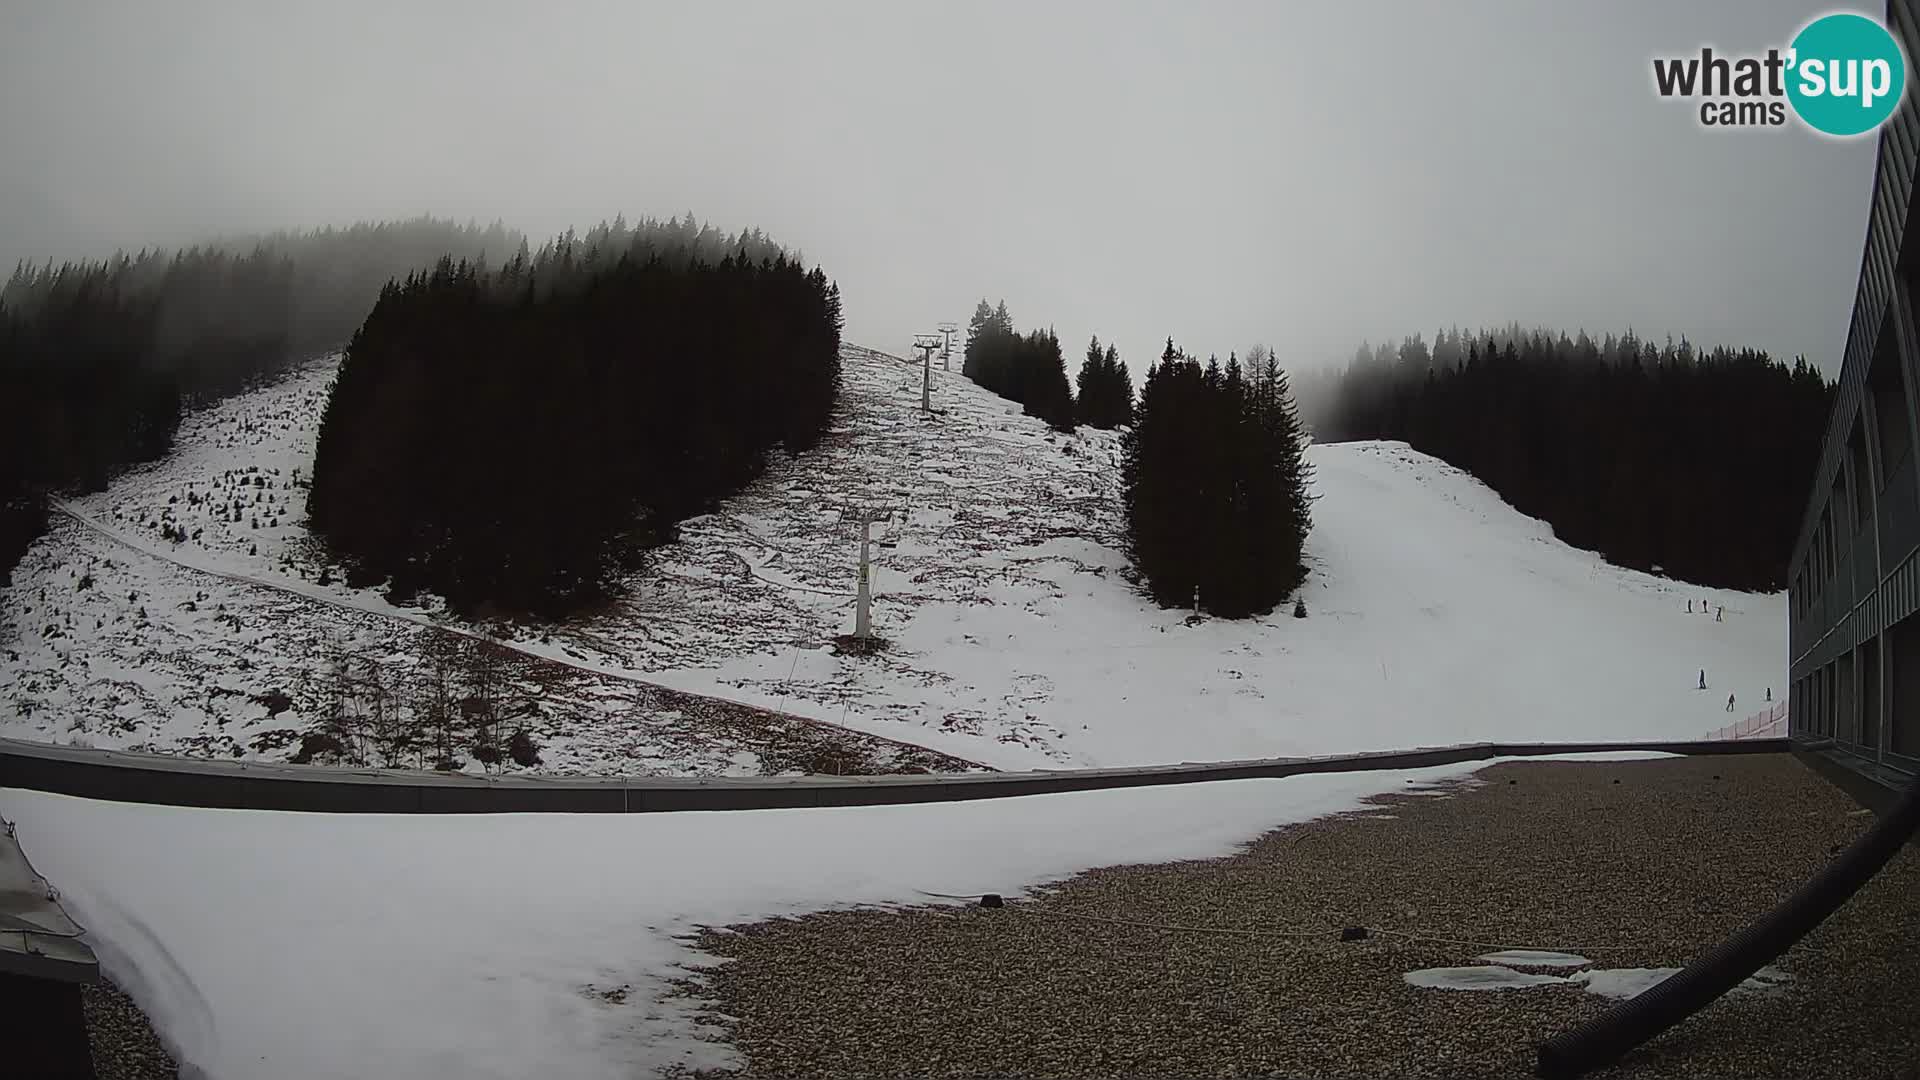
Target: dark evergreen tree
[1105, 397]
[1215, 486]
[1042, 377]
[1025, 368]
[1122, 389]
[98, 359]
[990, 344]
[1089, 385]
[552, 423]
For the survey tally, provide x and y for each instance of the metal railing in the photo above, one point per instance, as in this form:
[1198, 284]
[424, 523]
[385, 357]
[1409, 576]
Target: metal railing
[127, 776]
[1769, 723]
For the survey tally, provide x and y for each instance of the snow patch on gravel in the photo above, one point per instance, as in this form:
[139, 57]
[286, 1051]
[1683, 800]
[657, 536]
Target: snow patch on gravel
[1623, 983]
[1478, 978]
[1616, 983]
[1534, 958]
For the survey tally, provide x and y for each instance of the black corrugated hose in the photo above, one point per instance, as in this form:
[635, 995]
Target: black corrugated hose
[1611, 1035]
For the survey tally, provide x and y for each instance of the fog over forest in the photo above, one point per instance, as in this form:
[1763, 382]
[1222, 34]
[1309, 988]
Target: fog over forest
[1305, 175]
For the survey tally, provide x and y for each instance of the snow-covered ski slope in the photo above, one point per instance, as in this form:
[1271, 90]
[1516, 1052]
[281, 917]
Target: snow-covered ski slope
[1436, 613]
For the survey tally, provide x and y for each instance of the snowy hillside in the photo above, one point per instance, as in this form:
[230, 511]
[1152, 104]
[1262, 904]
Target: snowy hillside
[1436, 613]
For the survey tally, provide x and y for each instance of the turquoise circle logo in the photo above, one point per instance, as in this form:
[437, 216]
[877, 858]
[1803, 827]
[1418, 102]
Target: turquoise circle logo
[1846, 74]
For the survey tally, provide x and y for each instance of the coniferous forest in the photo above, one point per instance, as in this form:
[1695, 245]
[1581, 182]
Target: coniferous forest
[1027, 368]
[1105, 390]
[514, 438]
[1695, 463]
[1216, 485]
[97, 359]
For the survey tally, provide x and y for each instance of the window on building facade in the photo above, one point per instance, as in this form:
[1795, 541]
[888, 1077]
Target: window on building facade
[1826, 543]
[1887, 388]
[1863, 484]
[1843, 698]
[1869, 664]
[1903, 681]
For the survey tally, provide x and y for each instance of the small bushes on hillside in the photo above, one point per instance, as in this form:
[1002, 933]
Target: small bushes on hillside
[523, 750]
[458, 697]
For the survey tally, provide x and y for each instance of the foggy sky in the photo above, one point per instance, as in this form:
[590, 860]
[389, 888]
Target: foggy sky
[1306, 175]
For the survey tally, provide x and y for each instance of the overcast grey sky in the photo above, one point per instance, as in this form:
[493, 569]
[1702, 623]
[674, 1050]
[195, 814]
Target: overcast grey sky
[1302, 174]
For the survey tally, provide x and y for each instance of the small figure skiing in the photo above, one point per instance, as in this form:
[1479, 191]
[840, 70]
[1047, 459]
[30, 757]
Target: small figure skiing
[1718, 613]
[1729, 702]
[1689, 605]
[1769, 693]
[1703, 678]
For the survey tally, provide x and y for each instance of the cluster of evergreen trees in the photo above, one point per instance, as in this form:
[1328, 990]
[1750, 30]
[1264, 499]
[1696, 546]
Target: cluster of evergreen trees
[512, 438]
[97, 359]
[1027, 368]
[1105, 397]
[1216, 485]
[78, 398]
[1652, 455]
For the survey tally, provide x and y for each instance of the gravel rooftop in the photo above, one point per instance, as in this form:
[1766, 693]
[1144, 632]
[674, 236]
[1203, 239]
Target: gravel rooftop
[121, 1038]
[1631, 864]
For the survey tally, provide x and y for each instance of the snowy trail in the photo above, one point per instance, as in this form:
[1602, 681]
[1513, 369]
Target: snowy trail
[318, 595]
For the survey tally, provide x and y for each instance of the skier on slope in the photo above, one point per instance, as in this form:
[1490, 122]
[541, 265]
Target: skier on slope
[1729, 702]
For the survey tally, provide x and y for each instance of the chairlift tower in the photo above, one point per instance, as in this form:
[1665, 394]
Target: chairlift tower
[947, 330]
[863, 611]
[926, 343]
